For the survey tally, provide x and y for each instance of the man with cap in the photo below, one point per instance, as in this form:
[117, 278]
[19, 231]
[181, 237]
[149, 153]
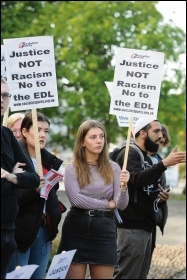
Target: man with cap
[134, 234]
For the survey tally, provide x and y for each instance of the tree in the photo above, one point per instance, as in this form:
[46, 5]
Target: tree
[86, 34]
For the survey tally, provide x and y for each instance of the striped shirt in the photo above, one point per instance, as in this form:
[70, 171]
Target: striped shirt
[97, 194]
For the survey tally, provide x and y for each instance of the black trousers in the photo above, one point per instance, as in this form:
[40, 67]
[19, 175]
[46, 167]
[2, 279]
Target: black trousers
[8, 246]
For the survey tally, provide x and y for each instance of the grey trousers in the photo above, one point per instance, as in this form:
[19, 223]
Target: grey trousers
[134, 252]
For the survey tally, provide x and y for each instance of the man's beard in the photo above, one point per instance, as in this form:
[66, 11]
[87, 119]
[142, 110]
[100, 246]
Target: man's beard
[150, 146]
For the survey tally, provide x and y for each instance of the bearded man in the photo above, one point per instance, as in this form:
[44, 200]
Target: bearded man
[134, 234]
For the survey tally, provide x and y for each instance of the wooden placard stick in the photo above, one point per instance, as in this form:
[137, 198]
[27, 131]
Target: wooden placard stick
[36, 142]
[5, 117]
[128, 142]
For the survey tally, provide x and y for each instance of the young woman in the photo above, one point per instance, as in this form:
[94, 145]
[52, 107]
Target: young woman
[92, 183]
[37, 220]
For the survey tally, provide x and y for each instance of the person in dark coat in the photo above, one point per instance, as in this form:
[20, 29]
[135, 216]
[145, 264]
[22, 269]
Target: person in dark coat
[134, 235]
[37, 220]
[16, 173]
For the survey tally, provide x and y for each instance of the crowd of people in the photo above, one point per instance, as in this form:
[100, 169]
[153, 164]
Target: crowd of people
[114, 209]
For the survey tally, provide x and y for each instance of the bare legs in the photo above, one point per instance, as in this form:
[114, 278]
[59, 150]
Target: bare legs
[78, 271]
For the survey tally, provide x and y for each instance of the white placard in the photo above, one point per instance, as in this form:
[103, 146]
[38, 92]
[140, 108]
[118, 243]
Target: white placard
[122, 118]
[60, 265]
[24, 272]
[3, 64]
[137, 82]
[31, 73]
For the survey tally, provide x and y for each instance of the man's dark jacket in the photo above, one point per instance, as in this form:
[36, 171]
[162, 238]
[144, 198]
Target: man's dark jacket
[11, 153]
[139, 214]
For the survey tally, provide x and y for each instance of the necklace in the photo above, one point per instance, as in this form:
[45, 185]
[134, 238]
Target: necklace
[92, 163]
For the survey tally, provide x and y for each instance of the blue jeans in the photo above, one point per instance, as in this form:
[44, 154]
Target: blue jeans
[38, 254]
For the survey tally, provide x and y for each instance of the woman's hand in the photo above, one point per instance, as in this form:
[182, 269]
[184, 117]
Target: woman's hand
[42, 183]
[111, 204]
[124, 178]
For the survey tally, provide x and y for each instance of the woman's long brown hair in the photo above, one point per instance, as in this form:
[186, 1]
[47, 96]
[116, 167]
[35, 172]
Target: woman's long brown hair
[80, 163]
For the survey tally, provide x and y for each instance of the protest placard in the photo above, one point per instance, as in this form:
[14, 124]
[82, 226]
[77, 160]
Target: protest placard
[135, 90]
[31, 75]
[60, 265]
[24, 272]
[137, 81]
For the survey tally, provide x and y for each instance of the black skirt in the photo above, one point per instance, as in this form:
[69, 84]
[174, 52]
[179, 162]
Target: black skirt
[94, 236]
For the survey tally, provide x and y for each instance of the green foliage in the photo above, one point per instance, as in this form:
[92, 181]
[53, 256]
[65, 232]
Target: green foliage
[182, 170]
[86, 34]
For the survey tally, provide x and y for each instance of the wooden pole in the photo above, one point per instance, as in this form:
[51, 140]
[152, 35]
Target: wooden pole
[37, 143]
[128, 143]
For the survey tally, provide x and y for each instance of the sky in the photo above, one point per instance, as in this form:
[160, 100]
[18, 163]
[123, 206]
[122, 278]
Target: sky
[175, 10]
